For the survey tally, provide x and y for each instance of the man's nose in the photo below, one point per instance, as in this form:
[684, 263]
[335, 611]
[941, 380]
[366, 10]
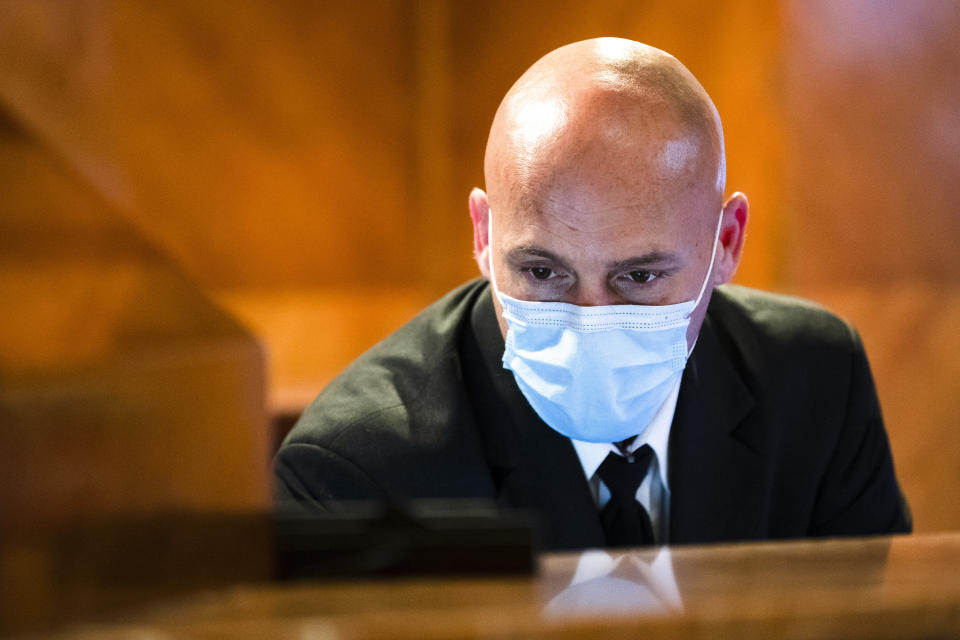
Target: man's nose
[593, 294]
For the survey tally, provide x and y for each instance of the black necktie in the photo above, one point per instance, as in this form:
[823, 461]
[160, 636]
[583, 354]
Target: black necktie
[624, 520]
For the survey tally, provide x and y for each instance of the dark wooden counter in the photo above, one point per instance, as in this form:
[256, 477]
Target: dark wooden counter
[901, 587]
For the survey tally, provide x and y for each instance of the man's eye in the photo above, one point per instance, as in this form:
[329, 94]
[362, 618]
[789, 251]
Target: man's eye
[641, 277]
[541, 273]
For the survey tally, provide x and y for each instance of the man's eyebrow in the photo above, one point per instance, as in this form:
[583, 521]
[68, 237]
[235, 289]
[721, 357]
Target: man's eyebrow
[532, 250]
[652, 259]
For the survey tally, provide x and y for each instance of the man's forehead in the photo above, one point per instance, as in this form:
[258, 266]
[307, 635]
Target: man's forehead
[592, 210]
[557, 214]
[612, 235]
[609, 150]
[594, 183]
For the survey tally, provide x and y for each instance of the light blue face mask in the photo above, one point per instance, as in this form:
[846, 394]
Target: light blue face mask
[597, 374]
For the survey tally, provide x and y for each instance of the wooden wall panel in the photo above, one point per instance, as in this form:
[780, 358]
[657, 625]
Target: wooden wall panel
[872, 100]
[253, 141]
[311, 335]
[123, 388]
[260, 144]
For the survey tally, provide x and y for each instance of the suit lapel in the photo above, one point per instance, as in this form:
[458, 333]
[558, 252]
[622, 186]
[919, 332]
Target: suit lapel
[533, 466]
[550, 480]
[716, 451]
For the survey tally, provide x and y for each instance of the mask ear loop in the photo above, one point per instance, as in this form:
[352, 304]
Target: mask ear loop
[493, 277]
[703, 287]
[713, 258]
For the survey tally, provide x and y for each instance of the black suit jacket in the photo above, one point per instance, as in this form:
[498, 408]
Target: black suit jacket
[777, 431]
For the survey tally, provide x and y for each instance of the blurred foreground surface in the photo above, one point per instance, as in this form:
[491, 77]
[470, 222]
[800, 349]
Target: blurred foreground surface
[906, 587]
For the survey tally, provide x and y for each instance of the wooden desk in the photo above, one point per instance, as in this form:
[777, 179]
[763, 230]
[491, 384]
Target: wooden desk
[902, 587]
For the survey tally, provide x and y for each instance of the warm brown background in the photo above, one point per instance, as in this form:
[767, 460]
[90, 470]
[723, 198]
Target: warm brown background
[174, 172]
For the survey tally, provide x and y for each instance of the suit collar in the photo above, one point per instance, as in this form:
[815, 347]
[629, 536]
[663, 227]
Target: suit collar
[715, 449]
[722, 391]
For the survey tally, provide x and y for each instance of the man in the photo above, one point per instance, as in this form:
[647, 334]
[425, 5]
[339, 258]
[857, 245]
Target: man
[596, 375]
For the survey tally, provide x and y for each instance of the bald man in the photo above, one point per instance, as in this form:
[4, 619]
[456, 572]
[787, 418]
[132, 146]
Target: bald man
[598, 374]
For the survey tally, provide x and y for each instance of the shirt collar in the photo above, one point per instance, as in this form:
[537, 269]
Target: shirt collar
[657, 435]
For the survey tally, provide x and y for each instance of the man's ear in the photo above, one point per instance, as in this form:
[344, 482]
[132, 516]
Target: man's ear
[480, 216]
[731, 236]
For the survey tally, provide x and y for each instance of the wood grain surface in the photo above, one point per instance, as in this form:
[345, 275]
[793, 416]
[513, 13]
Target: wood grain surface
[904, 587]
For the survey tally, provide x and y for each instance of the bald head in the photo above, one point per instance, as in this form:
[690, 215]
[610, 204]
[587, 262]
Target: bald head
[605, 176]
[609, 112]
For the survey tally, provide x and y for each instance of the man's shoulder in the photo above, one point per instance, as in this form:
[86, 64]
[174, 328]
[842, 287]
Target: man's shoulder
[397, 421]
[777, 319]
[414, 369]
[771, 336]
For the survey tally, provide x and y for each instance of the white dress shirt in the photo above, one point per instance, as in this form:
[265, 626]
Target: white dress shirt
[654, 491]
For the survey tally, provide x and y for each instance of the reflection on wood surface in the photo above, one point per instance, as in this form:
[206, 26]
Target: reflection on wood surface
[905, 587]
